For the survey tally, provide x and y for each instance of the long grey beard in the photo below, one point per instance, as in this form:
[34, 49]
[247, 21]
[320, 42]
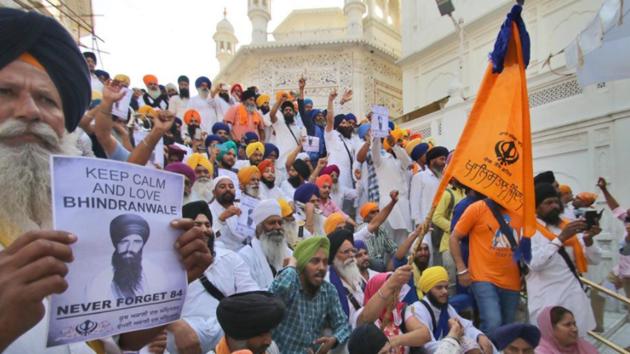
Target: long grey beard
[291, 232]
[203, 189]
[349, 271]
[25, 178]
[273, 246]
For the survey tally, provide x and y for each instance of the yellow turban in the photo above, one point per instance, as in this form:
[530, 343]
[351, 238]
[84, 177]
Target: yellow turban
[246, 174]
[305, 250]
[431, 276]
[412, 144]
[565, 189]
[262, 99]
[147, 111]
[332, 221]
[97, 95]
[252, 147]
[197, 159]
[285, 207]
[429, 141]
[123, 79]
[367, 208]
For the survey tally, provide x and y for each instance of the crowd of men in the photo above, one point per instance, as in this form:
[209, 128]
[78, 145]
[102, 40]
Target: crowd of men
[336, 263]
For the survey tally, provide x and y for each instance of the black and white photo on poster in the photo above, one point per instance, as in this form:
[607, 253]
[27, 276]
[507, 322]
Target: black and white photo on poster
[126, 274]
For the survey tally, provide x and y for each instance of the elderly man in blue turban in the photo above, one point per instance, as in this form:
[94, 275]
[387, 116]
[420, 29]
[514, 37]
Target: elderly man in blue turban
[45, 87]
[201, 103]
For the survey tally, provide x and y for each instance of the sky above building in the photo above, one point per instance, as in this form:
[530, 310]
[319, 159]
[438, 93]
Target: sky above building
[171, 38]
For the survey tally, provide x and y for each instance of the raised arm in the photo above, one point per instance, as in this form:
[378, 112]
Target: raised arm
[404, 247]
[292, 156]
[321, 163]
[112, 92]
[376, 151]
[331, 111]
[363, 151]
[141, 154]
[274, 109]
[610, 200]
[306, 119]
[382, 215]
[375, 306]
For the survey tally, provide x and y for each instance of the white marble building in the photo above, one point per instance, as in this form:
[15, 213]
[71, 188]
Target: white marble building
[579, 133]
[356, 47]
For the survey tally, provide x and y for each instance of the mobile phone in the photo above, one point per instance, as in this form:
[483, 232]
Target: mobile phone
[592, 218]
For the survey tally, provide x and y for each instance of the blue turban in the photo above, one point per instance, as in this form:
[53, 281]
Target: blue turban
[419, 150]
[201, 79]
[305, 192]
[54, 48]
[391, 125]
[308, 101]
[210, 138]
[314, 113]
[504, 335]
[269, 148]
[225, 147]
[250, 137]
[90, 55]
[360, 245]
[351, 117]
[363, 129]
[100, 73]
[435, 152]
[338, 119]
[183, 78]
[220, 126]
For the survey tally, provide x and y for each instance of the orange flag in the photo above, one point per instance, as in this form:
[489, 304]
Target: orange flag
[494, 153]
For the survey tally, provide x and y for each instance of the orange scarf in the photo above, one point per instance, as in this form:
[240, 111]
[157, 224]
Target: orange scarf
[222, 347]
[573, 242]
[243, 115]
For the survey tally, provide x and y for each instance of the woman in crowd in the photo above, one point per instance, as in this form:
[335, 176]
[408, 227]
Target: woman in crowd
[560, 333]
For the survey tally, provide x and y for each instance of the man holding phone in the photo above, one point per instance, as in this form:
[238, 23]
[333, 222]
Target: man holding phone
[561, 252]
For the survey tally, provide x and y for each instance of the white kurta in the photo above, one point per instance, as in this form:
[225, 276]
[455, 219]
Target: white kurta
[219, 106]
[390, 171]
[207, 113]
[226, 234]
[283, 138]
[178, 106]
[273, 193]
[550, 282]
[421, 312]
[228, 273]
[259, 267]
[424, 185]
[337, 155]
[357, 292]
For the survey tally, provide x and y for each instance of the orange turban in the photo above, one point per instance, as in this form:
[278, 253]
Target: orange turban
[147, 111]
[192, 115]
[323, 179]
[587, 197]
[149, 79]
[264, 164]
[197, 159]
[367, 208]
[246, 174]
[332, 221]
[565, 189]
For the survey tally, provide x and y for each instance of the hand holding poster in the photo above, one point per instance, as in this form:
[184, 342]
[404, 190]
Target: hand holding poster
[245, 224]
[126, 274]
[311, 144]
[380, 122]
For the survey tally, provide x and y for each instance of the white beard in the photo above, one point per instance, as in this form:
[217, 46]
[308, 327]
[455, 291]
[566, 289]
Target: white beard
[274, 249]
[155, 93]
[25, 178]
[252, 191]
[291, 232]
[349, 271]
[202, 188]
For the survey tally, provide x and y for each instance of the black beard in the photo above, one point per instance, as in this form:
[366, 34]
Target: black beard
[294, 181]
[434, 301]
[184, 93]
[289, 119]
[421, 265]
[349, 227]
[192, 129]
[226, 165]
[552, 218]
[264, 109]
[127, 273]
[346, 131]
[269, 184]
[225, 97]
[226, 198]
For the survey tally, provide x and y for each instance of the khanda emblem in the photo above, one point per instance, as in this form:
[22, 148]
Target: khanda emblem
[506, 152]
[86, 327]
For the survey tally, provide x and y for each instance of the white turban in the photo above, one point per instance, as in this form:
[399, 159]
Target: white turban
[302, 156]
[265, 209]
[219, 179]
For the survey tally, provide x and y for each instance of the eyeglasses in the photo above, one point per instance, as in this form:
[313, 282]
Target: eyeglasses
[348, 252]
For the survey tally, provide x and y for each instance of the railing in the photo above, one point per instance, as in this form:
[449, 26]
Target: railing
[616, 296]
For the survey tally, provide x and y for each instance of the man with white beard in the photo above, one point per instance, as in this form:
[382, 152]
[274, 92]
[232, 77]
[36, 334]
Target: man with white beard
[249, 179]
[344, 273]
[154, 97]
[44, 91]
[267, 251]
[202, 188]
[201, 103]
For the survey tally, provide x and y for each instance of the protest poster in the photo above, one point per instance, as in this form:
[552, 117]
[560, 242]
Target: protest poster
[245, 225]
[120, 108]
[126, 274]
[310, 144]
[380, 122]
[234, 177]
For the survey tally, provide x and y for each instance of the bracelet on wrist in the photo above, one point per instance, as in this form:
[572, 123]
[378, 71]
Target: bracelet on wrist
[465, 271]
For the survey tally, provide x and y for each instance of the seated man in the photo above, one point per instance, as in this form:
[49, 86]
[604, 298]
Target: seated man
[312, 302]
[516, 338]
[268, 187]
[434, 311]
[381, 246]
[249, 180]
[198, 329]
[269, 248]
[247, 320]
